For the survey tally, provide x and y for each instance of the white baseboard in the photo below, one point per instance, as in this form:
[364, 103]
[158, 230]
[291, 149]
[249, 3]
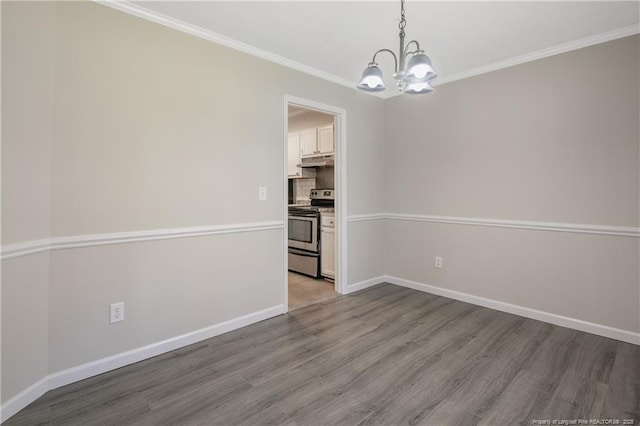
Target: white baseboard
[24, 398]
[93, 368]
[573, 323]
[365, 284]
[84, 371]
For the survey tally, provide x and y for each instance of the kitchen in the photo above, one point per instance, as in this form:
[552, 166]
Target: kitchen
[311, 206]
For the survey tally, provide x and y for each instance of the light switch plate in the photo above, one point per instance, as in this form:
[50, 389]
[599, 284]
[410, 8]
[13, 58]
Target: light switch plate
[262, 193]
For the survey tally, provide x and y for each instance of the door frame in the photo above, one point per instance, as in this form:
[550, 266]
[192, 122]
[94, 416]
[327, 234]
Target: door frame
[340, 176]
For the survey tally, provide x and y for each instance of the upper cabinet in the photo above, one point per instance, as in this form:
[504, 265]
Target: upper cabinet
[325, 140]
[317, 141]
[293, 147]
[308, 142]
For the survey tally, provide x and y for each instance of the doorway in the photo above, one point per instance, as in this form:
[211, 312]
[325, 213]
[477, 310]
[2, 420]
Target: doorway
[314, 215]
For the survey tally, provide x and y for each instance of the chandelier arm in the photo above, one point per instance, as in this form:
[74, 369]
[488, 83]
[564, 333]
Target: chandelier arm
[408, 44]
[395, 58]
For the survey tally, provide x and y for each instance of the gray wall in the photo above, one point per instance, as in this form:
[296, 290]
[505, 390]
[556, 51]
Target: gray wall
[115, 124]
[27, 138]
[554, 140]
[118, 124]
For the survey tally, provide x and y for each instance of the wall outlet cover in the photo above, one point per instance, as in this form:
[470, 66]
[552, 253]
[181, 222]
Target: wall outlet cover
[116, 312]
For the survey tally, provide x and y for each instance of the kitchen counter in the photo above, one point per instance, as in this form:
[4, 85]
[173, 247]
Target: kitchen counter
[326, 210]
[322, 210]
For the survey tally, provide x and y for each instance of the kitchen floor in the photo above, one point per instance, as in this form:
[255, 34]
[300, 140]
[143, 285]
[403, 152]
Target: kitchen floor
[304, 290]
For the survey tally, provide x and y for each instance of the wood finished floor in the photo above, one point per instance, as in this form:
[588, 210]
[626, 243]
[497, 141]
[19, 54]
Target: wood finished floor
[305, 291]
[385, 356]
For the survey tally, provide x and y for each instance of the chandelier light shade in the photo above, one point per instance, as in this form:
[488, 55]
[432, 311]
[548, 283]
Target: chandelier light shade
[419, 69]
[414, 78]
[418, 88]
[371, 80]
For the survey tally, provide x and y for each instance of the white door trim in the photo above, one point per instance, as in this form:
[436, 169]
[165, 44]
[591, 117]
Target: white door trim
[340, 171]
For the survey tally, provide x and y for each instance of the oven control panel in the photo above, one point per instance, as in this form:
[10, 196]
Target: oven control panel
[322, 194]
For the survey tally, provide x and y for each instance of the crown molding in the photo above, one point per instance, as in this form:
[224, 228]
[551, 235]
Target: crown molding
[176, 24]
[544, 53]
[540, 54]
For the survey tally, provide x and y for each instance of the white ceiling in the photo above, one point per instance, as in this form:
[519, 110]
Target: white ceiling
[336, 39]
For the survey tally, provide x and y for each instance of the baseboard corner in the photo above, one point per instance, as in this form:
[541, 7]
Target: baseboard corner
[365, 284]
[548, 317]
[24, 398]
[93, 368]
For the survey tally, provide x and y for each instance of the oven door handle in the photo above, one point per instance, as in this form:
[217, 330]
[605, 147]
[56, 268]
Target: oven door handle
[303, 253]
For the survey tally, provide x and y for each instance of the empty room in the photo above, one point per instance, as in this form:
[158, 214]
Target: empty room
[320, 212]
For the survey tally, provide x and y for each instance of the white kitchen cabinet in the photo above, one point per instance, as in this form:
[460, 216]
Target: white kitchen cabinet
[308, 142]
[293, 158]
[328, 246]
[293, 147]
[317, 141]
[325, 140]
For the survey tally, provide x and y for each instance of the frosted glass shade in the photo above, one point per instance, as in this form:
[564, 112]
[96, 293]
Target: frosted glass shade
[371, 80]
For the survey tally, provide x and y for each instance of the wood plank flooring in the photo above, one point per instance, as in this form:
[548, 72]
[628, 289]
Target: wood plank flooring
[384, 356]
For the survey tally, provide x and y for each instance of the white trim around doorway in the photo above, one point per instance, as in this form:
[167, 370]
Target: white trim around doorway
[340, 122]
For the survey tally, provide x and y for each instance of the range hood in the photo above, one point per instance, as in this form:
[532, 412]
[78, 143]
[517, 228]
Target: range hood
[320, 161]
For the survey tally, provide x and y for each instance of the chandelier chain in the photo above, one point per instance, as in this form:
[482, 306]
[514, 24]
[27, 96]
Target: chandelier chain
[403, 21]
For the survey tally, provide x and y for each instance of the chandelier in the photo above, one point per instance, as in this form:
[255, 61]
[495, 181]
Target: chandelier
[414, 78]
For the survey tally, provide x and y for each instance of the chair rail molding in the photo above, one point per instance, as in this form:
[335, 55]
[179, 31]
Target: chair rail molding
[622, 231]
[77, 241]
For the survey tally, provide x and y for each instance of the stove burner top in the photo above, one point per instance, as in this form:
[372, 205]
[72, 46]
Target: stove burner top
[303, 211]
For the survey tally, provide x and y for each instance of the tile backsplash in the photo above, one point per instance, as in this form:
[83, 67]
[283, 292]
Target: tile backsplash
[303, 189]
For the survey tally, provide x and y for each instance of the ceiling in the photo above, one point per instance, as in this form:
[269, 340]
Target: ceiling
[294, 110]
[336, 39]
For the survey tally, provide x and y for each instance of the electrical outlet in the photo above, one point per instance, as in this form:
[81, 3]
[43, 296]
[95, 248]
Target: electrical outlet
[116, 312]
[438, 262]
[262, 193]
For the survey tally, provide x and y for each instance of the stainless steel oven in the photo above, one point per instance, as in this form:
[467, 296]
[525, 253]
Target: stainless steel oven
[304, 233]
[303, 229]
[304, 247]
[304, 262]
